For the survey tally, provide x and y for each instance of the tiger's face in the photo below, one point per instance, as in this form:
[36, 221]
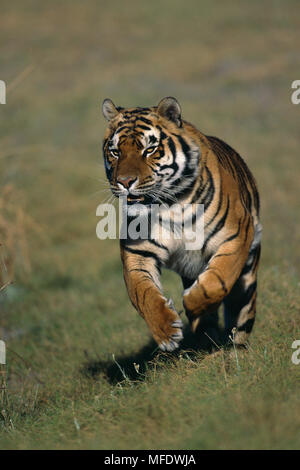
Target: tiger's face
[148, 156]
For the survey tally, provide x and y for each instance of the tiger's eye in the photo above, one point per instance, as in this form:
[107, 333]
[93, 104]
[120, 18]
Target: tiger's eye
[150, 150]
[115, 153]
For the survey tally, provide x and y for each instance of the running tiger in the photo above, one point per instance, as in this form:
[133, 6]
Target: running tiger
[154, 156]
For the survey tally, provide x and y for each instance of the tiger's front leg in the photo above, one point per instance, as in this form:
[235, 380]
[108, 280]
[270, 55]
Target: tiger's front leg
[141, 275]
[203, 298]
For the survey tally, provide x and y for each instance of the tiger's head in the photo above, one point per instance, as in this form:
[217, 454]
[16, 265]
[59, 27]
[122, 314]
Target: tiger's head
[149, 155]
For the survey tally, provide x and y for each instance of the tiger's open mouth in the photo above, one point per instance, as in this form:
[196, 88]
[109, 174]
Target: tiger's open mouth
[140, 199]
[134, 199]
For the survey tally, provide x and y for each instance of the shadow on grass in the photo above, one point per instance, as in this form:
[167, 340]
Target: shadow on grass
[134, 366]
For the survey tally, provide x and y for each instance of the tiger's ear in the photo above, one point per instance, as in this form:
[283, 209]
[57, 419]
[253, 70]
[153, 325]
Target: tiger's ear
[169, 108]
[109, 110]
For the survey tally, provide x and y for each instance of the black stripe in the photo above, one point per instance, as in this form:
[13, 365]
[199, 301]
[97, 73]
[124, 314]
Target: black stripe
[247, 296]
[221, 281]
[224, 254]
[144, 254]
[247, 326]
[235, 235]
[157, 244]
[146, 121]
[205, 293]
[173, 165]
[206, 197]
[251, 266]
[145, 128]
[218, 227]
[218, 208]
[120, 129]
[185, 147]
[145, 292]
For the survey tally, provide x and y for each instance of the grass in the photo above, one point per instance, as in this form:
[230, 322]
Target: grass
[82, 371]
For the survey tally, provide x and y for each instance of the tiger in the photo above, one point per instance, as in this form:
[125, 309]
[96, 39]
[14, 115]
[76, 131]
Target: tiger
[152, 155]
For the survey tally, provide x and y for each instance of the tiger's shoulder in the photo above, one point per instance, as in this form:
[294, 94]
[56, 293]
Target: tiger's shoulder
[224, 162]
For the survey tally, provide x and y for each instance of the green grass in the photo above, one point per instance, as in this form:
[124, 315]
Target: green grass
[231, 67]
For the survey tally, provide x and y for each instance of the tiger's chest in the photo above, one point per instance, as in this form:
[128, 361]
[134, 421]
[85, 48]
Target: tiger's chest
[182, 243]
[188, 264]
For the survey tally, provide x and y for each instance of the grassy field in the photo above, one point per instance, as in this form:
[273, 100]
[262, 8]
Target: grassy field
[82, 371]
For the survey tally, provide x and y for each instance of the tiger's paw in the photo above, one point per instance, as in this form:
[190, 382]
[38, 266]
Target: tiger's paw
[169, 334]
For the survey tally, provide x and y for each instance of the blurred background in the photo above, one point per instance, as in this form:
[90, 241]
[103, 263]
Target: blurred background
[66, 319]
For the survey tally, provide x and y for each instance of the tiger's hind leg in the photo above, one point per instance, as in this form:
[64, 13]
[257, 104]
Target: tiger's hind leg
[240, 304]
[207, 333]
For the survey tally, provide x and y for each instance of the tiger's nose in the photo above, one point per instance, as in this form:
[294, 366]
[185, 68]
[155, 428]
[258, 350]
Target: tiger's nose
[126, 180]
